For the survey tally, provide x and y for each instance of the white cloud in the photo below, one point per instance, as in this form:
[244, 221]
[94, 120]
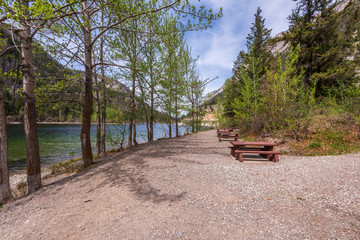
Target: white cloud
[219, 46]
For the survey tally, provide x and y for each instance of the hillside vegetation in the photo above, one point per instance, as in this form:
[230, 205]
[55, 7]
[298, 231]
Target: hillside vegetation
[307, 95]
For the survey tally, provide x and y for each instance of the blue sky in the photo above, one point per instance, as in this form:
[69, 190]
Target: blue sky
[219, 46]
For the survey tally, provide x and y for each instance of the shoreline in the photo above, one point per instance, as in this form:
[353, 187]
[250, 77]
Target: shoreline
[18, 178]
[77, 123]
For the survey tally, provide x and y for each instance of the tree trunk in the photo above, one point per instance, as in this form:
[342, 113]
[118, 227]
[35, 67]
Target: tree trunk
[176, 117]
[170, 132]
[151, 137]
[192, 118]
[98, 109]
[87, 108]
[30, 127]
[145, 110]
[103, 85]
[5, 191]
[133, 96]
[152, 92]
[134, 138]
[130, 132]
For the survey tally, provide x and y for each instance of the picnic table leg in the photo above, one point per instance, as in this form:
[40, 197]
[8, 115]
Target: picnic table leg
[240, 157]
[276, 158]
[267, 156]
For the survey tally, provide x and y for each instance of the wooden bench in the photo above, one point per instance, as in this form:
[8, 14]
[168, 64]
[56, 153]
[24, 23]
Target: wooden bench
[271, 155]
[232, 148]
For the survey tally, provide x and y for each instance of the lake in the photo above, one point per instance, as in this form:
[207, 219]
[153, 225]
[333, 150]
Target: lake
[59, 142]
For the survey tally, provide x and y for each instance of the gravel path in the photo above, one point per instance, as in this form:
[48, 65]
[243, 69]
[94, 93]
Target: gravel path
[191, 188]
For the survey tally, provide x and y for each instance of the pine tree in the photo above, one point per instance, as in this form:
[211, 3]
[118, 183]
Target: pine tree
[325, 49]
[242, 92]
[256, 46]
[258, 36]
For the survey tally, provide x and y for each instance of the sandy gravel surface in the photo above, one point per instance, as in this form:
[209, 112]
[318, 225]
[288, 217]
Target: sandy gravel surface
[191, 188]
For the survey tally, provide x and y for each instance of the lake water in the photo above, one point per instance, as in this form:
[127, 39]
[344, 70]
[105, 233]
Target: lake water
[59, 142]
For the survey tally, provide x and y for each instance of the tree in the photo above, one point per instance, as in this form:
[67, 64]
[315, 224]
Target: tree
[242, 93]
[257, 46]
[82, 26]
[248, 101]
[327, 39]
[25, 21]
[5, 191]
[171, 45]
[288, 102]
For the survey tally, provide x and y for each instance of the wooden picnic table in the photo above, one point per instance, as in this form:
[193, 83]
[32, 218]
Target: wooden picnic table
[232, 129]
[227, 134]
[264, 149]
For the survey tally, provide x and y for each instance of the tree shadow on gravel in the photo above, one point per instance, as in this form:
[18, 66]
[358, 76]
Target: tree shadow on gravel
[129, 168]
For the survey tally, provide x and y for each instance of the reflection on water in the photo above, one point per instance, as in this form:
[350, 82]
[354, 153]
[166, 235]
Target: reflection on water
[59, 142]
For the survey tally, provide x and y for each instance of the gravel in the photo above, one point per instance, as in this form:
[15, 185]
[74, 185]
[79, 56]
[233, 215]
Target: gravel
[192, 188]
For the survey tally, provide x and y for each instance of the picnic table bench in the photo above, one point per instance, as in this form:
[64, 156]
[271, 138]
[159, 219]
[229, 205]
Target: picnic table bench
[227, 134]
[264, 149]
[232, 129]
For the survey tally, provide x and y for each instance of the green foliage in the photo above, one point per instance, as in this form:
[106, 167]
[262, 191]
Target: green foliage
[246, 105]
[257, 56]
[68, 167]
[328, 42]
[242, 94]
[315, 145]
[116, 136]
[288, 102]
[230, 92]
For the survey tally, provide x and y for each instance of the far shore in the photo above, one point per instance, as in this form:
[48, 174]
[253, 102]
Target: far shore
[78, 123]
[14, 123]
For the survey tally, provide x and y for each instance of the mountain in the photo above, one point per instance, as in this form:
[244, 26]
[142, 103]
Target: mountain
[214, 94]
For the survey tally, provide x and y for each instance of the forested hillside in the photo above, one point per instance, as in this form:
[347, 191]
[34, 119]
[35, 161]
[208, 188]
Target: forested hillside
[58, 88]
[280, 85]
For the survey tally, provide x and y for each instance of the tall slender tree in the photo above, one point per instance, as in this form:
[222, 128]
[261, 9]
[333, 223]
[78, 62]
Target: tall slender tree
[5, 191]
[257, 46]
[248, 70]
[25, 19]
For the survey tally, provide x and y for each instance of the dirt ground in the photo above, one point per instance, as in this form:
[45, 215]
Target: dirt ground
[192, 188]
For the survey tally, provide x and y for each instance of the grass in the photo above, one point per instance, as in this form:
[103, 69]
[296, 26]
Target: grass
[249, 137]
[329, 135]
[68, 167]
[20, 190]
[329, 142]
